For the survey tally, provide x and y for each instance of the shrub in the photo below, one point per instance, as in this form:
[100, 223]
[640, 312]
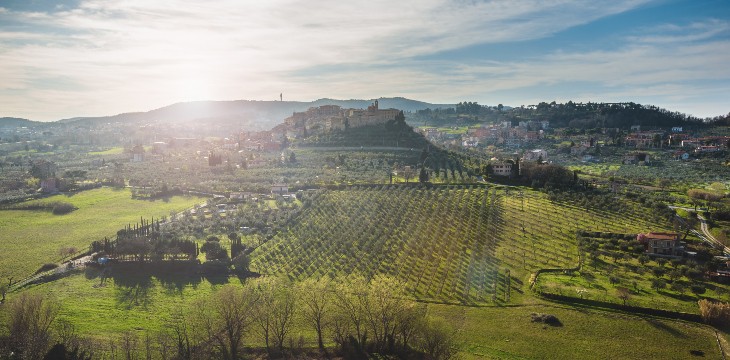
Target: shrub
[241, 263]
[63, 208]
[214, 251]
[698, 289]
[546, 318]
[714, 313]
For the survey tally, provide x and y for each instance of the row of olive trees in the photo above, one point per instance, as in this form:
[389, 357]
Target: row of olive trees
[360, 317]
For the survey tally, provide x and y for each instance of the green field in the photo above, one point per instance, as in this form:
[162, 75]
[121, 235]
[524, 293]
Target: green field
[33, 238]
[111, 151]
[140, 304]
[508, 333]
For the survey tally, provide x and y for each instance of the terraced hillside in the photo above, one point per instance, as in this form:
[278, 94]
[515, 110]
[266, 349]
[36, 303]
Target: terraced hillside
[464, 244]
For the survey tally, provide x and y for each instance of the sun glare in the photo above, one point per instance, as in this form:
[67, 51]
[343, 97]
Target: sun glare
[194, 89]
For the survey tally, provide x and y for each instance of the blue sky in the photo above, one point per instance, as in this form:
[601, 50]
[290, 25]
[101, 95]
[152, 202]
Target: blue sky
[61, 59]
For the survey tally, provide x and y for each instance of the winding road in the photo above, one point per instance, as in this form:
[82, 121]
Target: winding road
[706, 231]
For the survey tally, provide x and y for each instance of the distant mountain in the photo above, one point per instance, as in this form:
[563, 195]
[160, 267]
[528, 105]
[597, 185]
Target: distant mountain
[244, 113]
[10, 122]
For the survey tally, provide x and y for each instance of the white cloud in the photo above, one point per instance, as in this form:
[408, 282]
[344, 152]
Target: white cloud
[114, 56]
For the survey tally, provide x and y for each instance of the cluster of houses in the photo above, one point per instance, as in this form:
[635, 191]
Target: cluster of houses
[273, 140]
[676, 139]
[229, 203]
[524, 133]
[505, 168]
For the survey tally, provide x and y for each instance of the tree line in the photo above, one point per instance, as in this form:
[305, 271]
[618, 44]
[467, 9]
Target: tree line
[360, 318]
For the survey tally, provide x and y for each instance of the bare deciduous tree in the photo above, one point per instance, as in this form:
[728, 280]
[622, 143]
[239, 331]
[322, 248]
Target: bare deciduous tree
[31, 316]
[316, 304]
[225, 317]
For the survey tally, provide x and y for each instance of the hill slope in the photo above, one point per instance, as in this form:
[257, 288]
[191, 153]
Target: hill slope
[11, 122]
[453, 244]
[261, 115]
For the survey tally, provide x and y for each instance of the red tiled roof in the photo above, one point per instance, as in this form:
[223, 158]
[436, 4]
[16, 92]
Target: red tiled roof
[661, 236]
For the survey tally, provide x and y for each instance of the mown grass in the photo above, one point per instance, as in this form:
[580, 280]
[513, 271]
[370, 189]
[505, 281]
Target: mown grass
[32, 238]
[508, 333]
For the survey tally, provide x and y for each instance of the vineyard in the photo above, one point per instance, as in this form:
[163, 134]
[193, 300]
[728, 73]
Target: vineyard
[456, 244]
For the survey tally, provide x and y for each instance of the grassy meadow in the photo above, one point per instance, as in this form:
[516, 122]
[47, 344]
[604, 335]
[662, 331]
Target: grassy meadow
[508, 333]
[31, 238]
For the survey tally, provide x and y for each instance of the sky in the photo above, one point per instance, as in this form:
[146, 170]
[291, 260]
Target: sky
[62, 59]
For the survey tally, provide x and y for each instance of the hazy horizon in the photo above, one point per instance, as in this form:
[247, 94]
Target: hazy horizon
[81, 58]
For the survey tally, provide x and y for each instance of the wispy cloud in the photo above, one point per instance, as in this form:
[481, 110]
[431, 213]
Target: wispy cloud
[105, 57]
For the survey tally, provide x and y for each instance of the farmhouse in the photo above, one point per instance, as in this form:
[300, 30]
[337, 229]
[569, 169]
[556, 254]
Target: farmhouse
[502, 168]
[660, 243]
[280, 189]
[636, 158]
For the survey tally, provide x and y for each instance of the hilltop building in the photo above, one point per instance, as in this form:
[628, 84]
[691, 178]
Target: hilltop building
[328, 118]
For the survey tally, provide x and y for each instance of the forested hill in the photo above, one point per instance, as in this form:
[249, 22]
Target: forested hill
[16, 122]
[594, 115]
[570, 114]
[260, 115]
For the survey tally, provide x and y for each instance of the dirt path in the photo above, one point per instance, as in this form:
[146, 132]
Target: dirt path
[61, 269]
[705, 230]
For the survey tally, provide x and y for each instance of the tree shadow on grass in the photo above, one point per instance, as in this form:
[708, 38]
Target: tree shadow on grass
[662, 326]
[133, 280]
[174, 276]
[132, 290]
[681, 297]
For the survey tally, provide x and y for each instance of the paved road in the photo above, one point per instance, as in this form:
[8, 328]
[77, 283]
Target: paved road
[705, 230]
